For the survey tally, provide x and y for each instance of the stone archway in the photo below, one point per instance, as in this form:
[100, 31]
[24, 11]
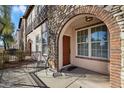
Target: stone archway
[115, 43]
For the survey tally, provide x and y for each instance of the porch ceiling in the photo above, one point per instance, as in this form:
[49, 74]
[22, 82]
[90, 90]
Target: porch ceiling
[80, 22]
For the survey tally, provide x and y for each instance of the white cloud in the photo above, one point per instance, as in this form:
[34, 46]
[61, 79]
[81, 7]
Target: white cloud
[20, 8]
[15, 8]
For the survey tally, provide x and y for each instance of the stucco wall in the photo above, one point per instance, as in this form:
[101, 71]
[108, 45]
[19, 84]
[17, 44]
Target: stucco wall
[32, 37]
[34, 33]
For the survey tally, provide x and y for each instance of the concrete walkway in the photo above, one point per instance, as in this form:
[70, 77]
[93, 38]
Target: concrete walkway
[77, 78]
[17, 77]
[28, 76]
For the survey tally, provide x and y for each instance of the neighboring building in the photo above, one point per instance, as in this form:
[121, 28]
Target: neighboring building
[36, 31]
[17, 39]
[22, 37]
[89, 36]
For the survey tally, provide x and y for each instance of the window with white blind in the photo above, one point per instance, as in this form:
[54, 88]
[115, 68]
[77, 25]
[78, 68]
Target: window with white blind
[45, 43]
[93, 42]
[99, 42]
[82, 42]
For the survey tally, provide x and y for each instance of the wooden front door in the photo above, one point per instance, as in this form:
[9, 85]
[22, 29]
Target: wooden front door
[66, 50]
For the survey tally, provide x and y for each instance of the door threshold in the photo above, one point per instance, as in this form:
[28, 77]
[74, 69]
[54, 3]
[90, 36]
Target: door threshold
[66, 66]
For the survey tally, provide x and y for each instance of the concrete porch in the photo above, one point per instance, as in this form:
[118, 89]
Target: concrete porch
[74, 77]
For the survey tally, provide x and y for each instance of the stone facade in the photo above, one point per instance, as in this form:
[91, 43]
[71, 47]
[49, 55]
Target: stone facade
[112, 16]
[55, 20]
[120, 19]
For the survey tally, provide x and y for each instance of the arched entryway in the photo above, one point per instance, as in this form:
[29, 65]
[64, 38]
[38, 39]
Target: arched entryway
[29, 46]
[107, 19]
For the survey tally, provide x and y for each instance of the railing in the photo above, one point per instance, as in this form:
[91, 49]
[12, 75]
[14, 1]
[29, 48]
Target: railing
[29, 29]
[22, 57]
[8, 57]
[41, 16]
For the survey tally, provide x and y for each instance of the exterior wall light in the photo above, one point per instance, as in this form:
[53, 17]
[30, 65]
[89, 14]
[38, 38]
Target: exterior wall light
[88, 19]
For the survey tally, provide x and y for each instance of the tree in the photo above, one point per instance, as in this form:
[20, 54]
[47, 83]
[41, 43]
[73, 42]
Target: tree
[6, 35]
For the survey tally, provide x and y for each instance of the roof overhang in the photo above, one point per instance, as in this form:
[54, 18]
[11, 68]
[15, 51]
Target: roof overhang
[28, 10]
[20, 21]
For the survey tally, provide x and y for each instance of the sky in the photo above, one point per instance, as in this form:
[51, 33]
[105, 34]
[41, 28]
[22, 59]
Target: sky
[17, 12]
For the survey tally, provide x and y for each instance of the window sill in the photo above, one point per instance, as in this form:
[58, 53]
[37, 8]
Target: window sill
[97, 59]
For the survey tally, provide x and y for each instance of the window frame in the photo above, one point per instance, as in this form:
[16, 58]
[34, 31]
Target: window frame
[90, 43]
[43, 44]
[83, 43]
[37, 47]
